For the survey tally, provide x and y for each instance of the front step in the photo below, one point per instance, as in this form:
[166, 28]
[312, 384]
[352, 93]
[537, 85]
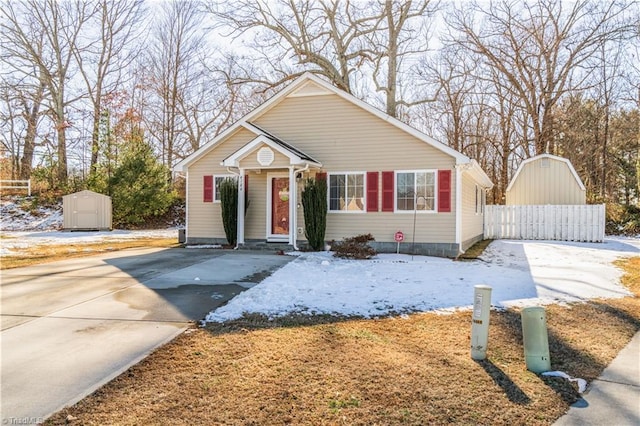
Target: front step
[266, 246]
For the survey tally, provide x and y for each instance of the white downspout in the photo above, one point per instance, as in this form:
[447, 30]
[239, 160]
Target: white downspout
[293, 206]
[459, 168]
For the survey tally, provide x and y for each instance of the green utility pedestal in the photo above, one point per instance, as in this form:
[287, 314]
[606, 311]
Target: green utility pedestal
[535, 339]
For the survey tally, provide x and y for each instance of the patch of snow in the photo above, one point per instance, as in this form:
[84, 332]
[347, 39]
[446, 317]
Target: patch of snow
[14, 218]
[521, 273]
[13, 242]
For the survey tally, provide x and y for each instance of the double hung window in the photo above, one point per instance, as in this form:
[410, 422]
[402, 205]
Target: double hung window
[346, 192]
[415, 190]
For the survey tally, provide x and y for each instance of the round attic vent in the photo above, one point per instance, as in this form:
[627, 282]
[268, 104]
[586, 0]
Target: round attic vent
[265, 156]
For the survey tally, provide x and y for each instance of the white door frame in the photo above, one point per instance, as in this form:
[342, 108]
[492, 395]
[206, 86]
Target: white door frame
[276, 237]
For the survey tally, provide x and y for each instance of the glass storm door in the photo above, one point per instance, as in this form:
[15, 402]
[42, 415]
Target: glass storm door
[279, 207]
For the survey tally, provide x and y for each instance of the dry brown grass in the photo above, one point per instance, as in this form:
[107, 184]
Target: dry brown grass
[51, 252]
[334, 371]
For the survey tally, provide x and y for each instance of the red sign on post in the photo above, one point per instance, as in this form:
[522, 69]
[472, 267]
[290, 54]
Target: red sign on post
[399, 237]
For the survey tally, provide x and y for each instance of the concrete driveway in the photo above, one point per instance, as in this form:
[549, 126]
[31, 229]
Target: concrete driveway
[71, 326]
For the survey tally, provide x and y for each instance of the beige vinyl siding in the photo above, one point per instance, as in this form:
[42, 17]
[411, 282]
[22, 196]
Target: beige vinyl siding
[250, 161]
[554, 184]
[345, 137]
[430, 227]
[256, 217]
[472, 220]
[204, 220]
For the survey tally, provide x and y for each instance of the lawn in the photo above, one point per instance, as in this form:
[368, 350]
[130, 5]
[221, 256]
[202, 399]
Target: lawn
[409, 369]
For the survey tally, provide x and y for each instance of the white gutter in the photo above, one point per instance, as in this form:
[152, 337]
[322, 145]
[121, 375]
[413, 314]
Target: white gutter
[459, 170]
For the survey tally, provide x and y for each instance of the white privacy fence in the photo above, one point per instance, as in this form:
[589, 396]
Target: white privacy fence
[548, 222]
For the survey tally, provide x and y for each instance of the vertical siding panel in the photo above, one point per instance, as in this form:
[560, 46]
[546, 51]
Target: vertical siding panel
[536, 185]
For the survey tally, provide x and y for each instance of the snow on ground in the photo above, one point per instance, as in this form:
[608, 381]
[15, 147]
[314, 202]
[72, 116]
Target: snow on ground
[12, 243]
[521, 273]
[21, 229]
[14, 218]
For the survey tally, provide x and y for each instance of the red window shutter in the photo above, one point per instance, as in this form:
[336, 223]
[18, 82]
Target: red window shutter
[208, 189]
[388, 191]
[444, 191]
[372, 191]
[321, 176]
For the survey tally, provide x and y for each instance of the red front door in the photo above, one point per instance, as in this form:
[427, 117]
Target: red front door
[280, 206]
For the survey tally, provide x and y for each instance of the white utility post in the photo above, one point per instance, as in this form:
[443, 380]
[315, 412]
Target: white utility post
[480, 321]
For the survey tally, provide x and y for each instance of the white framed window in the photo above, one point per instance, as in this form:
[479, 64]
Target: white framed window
[216, 185]
[347, 192]
[415, 191]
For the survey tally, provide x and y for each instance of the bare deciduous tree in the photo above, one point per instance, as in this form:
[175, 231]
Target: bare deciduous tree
[540, 48]
[107, 56]
[174, 51]
[44, 35]
[401, 33]
[321, 36]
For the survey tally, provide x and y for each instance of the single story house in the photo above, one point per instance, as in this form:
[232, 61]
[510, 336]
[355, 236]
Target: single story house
[546, 179]
[383, 176]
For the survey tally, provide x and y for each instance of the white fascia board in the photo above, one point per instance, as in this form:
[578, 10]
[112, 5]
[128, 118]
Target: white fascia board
[274, 100]
[234, 159]
[183, 165]
[479, 175]
[291, 88]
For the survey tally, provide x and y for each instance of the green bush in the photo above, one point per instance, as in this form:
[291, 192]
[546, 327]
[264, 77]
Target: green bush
[622, 220]
[314, 202]
[229, 202]
[354, 247]
[139, 187]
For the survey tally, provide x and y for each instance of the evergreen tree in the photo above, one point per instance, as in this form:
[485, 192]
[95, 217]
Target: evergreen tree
[314, 202]
[229, 203]
[139, 187]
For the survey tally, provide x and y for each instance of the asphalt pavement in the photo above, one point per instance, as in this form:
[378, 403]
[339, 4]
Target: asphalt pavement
[69, 327]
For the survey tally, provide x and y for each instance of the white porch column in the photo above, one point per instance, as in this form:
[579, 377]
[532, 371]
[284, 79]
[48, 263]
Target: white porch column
[241, 207]
[293, 203]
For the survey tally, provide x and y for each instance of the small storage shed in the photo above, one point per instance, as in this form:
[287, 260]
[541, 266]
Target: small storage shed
[546, 179]
[86, 211]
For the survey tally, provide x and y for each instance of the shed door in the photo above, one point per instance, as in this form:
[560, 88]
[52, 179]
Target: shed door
[87, 212]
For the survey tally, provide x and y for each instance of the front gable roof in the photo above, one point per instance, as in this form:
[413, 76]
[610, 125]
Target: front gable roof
[311, 85]
[295, 156]
[551, 157]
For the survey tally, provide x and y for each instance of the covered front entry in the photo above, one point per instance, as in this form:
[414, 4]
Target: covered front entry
[284, 165]
[278, 211]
